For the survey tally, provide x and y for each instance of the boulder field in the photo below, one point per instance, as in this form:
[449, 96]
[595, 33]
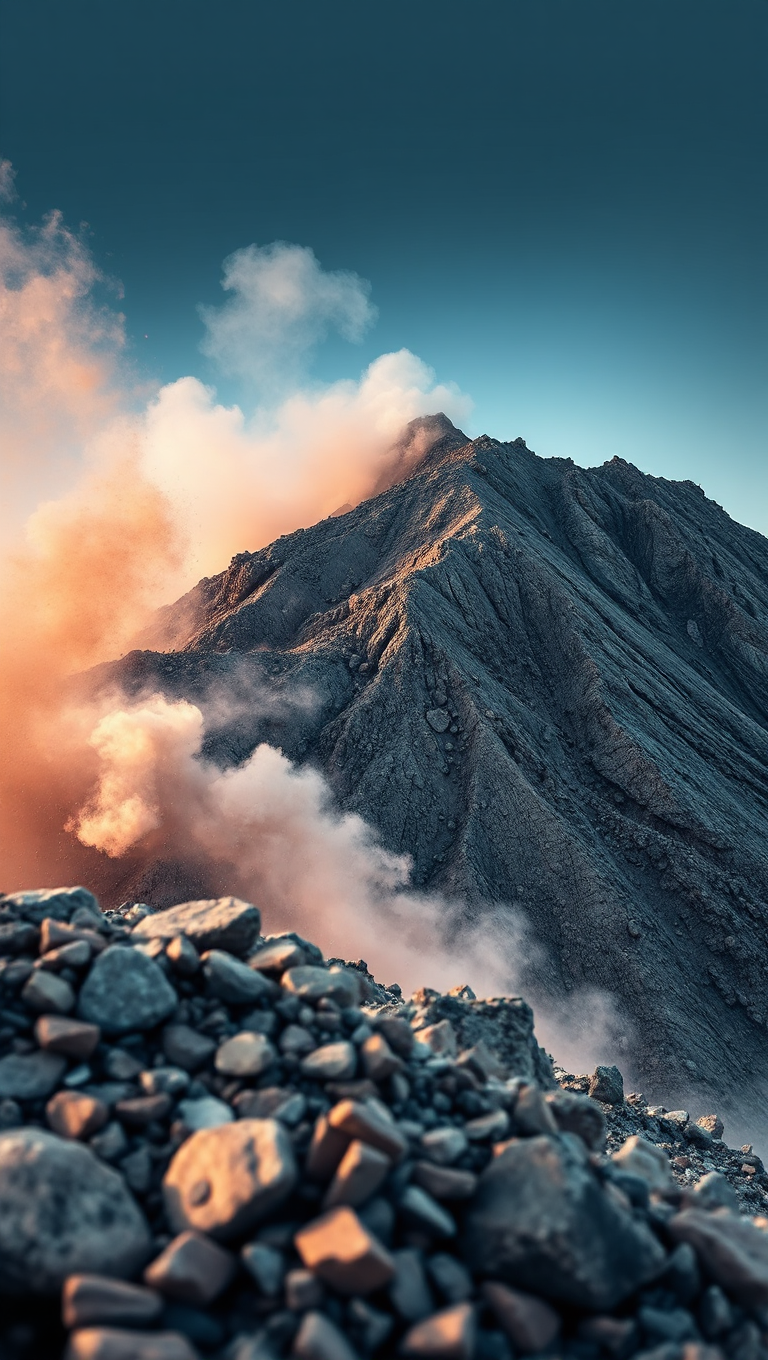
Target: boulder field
[216, 1143]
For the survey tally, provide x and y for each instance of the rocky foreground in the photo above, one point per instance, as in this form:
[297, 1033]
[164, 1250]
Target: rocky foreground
[215, 1143]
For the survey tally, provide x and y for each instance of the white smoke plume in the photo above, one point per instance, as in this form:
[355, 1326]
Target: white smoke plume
[284, 845]
[281, 304]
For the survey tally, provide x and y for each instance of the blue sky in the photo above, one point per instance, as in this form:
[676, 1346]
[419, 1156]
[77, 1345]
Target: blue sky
[561, 207]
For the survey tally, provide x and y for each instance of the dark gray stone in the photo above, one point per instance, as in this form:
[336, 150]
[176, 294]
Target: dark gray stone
[30, 1076]
[125, 991]
[607, 1084]
[63, 1212]
[215, 923]
[60, 903]
[541, 1220]
[233, 981]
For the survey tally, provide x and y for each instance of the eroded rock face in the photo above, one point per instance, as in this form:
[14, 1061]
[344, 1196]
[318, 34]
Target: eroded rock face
[224, 1180]
[542, 1220]
[63, 1212]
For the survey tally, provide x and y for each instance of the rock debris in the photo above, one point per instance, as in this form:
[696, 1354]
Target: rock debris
[317, 1168]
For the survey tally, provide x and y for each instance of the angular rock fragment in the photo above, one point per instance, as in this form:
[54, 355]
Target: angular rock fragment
[303, 1290]
[113, 1343]
[215, 923]
[448, 1335]
[233, 981]
[205, 1112]
[318, 1339]
[607, 1084]
[311, 984]
[364, 1121]
[63, 1212]
[326, 1149]
[529, 1322]
[359, 1174]
[182, 956]
[451, 1278]
[542, 1221]
[60, 903]
[125, 991]
[278, 956]
[245, 1055]
[89, 1300]
[46, 993]
[409, 1288]
[444, 1145]
[732, 1250]
[224, 1180]
[72, 1114]
[444, 1182]
[266, 1265]
[420, 1209]
[713, 1191]
[192, 1269]
[644, 1159]
[343, 1253]
[533, 1114]
[186, 1048]
[575, 1113]
[331, 1062]
[30, 1076]
[379, 1062]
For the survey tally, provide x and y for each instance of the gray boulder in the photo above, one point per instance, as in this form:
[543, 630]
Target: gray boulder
[30, 1076]
[60, 903]
[541, 1220]
[126, 991]
[607, 1084]
[213, 923]
[63, 1212]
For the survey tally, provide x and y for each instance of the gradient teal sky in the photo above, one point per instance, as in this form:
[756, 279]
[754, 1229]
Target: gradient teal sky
[562, 205]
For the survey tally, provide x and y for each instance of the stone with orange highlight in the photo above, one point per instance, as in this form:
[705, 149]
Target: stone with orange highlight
[342, 1253]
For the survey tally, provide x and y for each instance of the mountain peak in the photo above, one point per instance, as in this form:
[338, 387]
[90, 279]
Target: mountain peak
[547, 685]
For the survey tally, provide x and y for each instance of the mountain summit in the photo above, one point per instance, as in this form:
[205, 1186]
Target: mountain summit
[548, 685]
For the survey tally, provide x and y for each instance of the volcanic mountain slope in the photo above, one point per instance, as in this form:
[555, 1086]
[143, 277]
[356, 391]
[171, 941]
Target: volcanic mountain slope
[547, 684]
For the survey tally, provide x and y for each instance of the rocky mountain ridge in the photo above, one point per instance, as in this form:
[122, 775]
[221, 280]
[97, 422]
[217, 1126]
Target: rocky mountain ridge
[548, 685]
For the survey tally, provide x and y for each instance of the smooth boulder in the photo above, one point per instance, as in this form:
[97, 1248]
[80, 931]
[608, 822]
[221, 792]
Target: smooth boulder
[125, 991]
[63, 1212]
[541, 1220]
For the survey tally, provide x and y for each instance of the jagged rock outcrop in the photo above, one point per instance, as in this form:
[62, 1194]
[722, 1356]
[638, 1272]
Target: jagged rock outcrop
[549, 685]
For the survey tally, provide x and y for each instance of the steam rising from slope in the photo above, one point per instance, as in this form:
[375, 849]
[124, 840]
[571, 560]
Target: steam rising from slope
[275, 832]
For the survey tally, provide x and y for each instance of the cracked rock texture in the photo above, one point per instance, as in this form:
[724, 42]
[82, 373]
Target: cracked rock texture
[549, 685]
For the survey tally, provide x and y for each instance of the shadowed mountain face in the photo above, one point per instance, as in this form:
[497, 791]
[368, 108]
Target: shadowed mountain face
[549, 685]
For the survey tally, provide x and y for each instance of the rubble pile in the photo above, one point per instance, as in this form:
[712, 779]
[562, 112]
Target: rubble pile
[219, 1144]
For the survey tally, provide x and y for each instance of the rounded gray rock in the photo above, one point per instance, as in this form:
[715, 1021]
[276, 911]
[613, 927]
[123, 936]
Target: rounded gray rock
[125, 991]
[63, 1212]
[30, 1076]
